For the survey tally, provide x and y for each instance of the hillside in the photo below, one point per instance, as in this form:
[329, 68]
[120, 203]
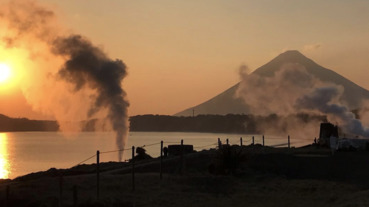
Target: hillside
[227, 103]
[8, 124]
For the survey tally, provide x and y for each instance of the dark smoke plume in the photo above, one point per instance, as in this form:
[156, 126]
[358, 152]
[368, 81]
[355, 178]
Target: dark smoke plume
[88, 66]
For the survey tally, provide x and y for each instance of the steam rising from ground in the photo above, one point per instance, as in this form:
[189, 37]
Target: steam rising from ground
[325, 101]
[64, 75]
[292, 90]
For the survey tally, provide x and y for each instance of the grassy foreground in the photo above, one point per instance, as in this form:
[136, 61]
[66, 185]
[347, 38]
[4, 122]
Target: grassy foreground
[233, 176]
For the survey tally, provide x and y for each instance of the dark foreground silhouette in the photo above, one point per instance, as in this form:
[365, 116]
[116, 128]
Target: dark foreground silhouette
[230, 176]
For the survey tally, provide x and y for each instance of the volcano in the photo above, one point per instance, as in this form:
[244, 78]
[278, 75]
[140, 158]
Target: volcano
[228, 103]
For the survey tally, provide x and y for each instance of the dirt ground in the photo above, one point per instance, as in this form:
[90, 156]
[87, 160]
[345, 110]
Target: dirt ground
[237, 176]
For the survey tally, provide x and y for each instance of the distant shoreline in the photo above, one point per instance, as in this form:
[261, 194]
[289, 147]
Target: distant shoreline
[230, 123]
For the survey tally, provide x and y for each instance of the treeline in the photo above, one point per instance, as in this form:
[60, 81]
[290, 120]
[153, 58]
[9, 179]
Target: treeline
[200, 123]
[8, 124]
[231, 123]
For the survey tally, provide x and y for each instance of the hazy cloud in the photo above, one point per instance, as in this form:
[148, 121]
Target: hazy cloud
[311, 47]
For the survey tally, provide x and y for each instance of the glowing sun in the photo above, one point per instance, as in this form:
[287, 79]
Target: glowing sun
[4, 72]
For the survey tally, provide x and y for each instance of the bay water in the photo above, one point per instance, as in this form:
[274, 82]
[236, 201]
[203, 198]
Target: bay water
[26, 152]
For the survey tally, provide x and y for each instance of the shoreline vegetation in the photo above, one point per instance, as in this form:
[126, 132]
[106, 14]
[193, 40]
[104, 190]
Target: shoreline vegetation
[8, 124]
[231, 123]
[253, 175]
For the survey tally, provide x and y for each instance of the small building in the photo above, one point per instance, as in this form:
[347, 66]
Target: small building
[176, 149]
[326, 131]
[353, 144]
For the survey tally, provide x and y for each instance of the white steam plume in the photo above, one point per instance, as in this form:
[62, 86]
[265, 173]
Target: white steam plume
[324, 100]
[292, 90]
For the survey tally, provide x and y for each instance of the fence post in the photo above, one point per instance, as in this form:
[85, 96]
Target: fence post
[7, 196]
[182, 159]
[253, 140]
[75, 196]
[289, 145]
[161, 160]
[133, 168]
[241, 141]
[97, 174]
[263, 141]
[61, 189]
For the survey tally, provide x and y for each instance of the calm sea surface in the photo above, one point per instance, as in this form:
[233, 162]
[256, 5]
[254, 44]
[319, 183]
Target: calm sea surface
[25, 152]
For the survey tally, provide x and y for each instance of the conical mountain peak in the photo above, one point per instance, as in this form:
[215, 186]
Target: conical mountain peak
[292, 53]
[290, 56]
[226, 102]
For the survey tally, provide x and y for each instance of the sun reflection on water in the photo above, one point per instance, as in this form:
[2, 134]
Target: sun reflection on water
[4, 159]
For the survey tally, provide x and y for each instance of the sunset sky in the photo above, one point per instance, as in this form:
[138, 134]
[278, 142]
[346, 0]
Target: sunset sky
[182, 53]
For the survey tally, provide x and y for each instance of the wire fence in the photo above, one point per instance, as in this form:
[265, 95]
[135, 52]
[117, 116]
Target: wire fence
[158, 146]
[149, 145]
[206, 146]
[271, 141]
[85, 160]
